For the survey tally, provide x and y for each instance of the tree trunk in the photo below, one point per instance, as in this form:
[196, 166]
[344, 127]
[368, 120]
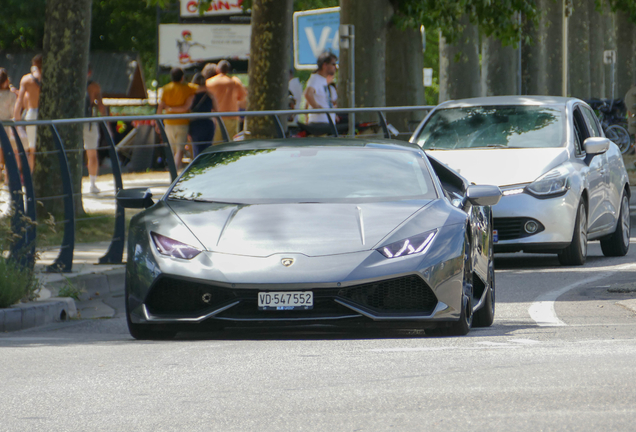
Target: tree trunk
[459, 65]
[625, 61]
[579, 50]
[609, 37]
[499, 66]
[269, 63]
[370, 18]
[542, 59]
[65, 66]
[404, 78]
[597, 29]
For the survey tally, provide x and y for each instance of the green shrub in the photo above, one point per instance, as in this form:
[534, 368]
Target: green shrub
[16, 283]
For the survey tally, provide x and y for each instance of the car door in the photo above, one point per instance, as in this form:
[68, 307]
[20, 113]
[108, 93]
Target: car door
[607, 209]
[592, 175]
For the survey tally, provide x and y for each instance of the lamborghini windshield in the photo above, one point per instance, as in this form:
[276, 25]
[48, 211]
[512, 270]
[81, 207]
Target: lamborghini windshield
[307, 174]
[511, 126]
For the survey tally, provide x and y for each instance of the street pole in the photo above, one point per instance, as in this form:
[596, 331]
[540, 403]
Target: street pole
[564, 44]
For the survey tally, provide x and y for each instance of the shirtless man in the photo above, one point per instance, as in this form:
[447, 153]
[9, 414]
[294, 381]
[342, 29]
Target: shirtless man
[229, 93]
[91, 130]
[29, 100]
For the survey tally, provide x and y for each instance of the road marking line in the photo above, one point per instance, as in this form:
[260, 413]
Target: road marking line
[542, 310]
[525, 341]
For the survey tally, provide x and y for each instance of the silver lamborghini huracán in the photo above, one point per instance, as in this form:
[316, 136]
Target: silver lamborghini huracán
[312, 231]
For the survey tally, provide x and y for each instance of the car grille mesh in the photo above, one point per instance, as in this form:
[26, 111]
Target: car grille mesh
[404, 294]
[178, 296]
[401, 295]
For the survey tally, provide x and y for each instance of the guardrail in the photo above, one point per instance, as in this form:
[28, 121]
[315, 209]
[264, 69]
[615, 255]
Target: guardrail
[22, 191]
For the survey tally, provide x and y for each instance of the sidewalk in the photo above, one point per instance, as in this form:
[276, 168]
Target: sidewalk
[99, 288]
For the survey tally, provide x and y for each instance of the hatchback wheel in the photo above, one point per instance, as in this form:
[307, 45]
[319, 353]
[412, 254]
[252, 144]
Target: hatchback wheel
[617, 244]
[576, 252]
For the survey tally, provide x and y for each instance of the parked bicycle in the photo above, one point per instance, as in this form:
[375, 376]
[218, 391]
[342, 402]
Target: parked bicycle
[611, 114]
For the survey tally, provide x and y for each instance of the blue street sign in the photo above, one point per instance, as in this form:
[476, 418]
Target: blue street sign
[315, 31]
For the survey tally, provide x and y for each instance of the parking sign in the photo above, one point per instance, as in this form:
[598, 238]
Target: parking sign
[315, 31]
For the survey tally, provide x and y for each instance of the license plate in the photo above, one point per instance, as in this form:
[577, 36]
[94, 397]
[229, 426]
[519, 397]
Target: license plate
[286, 300]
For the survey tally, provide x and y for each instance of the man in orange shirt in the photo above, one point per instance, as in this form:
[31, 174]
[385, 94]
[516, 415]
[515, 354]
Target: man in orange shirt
[228, 92]
[177, 97]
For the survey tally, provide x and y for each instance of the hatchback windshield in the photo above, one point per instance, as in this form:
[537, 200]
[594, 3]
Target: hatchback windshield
[515, 126]
[308, 174]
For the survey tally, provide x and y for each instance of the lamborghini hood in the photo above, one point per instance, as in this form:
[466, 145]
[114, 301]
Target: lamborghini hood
[313, 229]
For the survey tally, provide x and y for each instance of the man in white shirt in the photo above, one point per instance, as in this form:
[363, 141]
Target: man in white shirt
[317, 93]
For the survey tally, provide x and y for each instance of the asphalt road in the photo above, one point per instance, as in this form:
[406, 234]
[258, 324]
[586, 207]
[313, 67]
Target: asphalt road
[560, 356]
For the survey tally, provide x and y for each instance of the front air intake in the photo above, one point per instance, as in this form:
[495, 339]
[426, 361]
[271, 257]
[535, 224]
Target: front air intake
[404, 294]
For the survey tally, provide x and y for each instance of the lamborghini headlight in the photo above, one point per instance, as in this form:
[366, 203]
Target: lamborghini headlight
[173, 248]
[417, 244]
[555, 182]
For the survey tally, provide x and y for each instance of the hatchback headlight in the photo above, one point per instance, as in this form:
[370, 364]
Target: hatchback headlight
[173, 248]
[555, 182]
[410, 246]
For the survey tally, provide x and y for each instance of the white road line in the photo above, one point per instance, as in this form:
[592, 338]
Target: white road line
[542, 310]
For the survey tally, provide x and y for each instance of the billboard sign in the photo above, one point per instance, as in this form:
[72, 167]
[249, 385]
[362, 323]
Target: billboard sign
[315, 31]
[190, 8]
[186, 45]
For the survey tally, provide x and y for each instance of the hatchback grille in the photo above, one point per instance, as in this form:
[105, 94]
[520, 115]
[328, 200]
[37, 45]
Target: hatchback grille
[404, 294]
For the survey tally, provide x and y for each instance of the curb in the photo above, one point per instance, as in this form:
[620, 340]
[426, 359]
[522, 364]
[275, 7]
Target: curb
[94, 287]
[36, 314]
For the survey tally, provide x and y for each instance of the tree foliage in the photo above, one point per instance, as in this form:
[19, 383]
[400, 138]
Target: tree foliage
[22, 24]
[498, 19]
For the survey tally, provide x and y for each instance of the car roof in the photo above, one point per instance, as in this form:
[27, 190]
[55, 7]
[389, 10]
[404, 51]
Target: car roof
[510, 100]
[258, 144]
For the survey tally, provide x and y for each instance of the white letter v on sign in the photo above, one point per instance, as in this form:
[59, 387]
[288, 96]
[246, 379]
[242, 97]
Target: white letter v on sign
[317, 49]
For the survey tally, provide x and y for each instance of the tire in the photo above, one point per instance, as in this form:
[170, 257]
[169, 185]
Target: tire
[576, 253]
[485, 316]
[617, 244]
[144, 331]
[462, 326]
[619, 135]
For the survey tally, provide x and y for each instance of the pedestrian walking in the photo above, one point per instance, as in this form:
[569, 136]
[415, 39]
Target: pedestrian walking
[28, 103]
[229, 93]
[317, 93]
[201, 130]
[7, 107]
[91, 130]
[177, 98]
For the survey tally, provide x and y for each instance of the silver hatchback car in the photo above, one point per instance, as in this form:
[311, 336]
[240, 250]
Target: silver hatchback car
[563, 182]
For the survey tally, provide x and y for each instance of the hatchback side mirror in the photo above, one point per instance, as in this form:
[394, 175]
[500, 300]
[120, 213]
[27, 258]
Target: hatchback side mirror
[139, 198]
[483, 195]
[596, 145]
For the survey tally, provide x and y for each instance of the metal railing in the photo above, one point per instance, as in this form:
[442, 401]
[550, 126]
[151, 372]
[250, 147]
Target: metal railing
[22, 191]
